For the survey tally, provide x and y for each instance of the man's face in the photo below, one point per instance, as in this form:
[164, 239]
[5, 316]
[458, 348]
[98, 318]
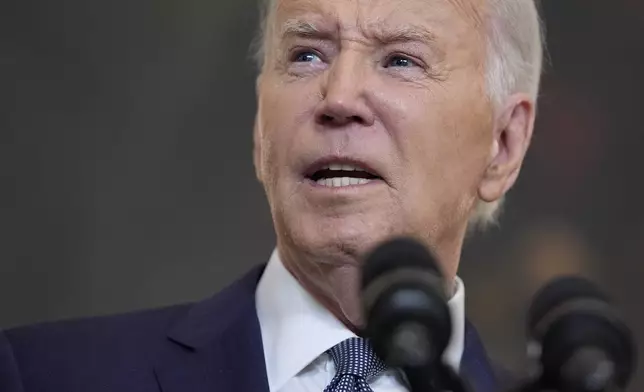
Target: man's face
[373, 121]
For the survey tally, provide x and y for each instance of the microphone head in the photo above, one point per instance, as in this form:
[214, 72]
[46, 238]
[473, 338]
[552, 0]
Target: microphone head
[405, 305]
[397, 253]
[559, 291]
[581, 338]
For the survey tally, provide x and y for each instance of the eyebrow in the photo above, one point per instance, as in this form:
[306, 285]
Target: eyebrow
[406, 33]
[378, 31]
[301, 28]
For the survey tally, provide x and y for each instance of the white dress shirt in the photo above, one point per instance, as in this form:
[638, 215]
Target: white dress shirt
[297, 331]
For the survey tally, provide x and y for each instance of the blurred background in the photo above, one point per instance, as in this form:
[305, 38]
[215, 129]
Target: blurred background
[127, 177]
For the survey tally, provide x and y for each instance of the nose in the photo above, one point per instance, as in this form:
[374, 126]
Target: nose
[344, 93]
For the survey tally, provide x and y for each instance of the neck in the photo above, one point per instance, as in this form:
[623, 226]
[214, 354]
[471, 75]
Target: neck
[334, 286]
[337, 285]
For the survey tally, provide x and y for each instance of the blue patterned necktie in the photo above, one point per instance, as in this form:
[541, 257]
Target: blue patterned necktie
[356, 363]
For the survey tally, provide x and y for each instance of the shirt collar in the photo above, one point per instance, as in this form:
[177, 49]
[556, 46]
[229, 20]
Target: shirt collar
[289, 316]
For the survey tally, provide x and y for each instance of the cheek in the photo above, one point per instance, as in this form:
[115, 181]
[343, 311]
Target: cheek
[276, 129]
[444, 140]
[286, 113]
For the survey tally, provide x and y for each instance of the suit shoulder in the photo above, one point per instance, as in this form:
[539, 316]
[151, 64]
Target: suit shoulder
[106, 333]
[113, 352]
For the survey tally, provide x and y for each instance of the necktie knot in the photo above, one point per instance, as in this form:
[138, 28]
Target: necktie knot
[356, 357]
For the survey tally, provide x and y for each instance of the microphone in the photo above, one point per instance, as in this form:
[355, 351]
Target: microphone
[578, 340]
[406, 312]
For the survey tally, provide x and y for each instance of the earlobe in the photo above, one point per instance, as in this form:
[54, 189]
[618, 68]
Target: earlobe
[257, 148]
[512, 135]
[257, 133]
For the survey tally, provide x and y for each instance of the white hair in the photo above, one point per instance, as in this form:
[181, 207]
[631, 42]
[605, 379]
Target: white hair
[514, 62]
[515, 57]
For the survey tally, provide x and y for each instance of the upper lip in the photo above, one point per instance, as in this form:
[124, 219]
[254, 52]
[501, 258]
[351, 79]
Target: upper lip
[361, 164]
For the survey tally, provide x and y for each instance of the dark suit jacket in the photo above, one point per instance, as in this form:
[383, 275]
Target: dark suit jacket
[211, 346]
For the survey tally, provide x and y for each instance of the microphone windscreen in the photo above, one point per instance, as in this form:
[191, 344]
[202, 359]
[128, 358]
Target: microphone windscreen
[559, 291]
[578, 332]
[405, 306]
[398, 253]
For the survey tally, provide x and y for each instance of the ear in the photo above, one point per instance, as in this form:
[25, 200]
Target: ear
[257, 136]
[257, 149]
[512, 134]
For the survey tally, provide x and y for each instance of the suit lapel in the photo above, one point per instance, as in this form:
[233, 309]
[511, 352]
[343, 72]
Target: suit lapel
[217, 345]
[475, 365]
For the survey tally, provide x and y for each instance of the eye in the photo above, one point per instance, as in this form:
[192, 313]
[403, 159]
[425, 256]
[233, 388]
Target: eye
[305, 56]
[399, 61]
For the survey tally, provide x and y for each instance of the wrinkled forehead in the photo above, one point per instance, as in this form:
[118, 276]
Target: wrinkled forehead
[446, 16]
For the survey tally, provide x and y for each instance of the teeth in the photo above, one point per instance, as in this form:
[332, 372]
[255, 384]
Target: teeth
[338, 182]
[337, 166]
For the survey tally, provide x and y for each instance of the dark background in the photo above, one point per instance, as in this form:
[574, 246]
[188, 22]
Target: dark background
[127, 177]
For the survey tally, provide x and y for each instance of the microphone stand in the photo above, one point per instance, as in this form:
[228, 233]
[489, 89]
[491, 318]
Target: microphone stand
[586, 370]
[449, 380]
[538, 386]
[440, 378]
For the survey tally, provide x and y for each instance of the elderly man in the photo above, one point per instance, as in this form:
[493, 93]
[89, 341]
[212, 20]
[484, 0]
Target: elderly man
[376, 118]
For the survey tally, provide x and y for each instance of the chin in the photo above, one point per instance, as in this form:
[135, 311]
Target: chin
[344, 241]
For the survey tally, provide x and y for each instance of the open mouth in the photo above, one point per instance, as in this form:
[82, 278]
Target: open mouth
[338, 175]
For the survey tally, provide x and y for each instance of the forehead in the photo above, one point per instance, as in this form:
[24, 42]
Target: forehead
[435, 14]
